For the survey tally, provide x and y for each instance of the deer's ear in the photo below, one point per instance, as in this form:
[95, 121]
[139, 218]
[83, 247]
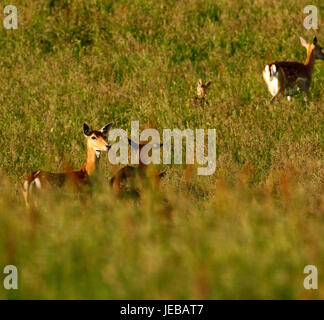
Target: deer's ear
[315, 40]
[106, 128]
[86, 129]
[303, 42]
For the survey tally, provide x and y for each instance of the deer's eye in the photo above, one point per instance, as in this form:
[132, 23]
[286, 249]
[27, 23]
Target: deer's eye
[93, 138]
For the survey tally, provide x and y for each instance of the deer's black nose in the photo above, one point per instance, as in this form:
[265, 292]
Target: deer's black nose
[108, 146]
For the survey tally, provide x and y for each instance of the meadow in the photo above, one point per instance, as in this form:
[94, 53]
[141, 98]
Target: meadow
[246, 232]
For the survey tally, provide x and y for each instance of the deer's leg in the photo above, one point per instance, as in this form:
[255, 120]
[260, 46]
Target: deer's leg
[26, 193]
[276, 96]
[303, 85]
[32, 183]
[305, 94]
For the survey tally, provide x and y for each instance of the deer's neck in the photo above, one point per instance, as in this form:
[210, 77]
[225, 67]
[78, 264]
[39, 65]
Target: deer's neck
[92, 160]
[310, 61]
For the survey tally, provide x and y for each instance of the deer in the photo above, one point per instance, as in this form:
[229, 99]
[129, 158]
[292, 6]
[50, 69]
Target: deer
[40, 180]
[201, 92]
[202, 89]
[290, 78]
[131, 174]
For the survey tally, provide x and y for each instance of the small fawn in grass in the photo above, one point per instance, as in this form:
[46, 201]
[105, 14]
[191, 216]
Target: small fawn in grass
[202, 89]
[201, 92]
[130, 174]
[290, 78]
[96, 143]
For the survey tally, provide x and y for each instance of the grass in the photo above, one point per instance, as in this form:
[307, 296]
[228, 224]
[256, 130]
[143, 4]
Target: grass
[246, 232]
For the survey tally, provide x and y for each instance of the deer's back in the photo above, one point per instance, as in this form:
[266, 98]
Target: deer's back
[292, 71]
[58, 180]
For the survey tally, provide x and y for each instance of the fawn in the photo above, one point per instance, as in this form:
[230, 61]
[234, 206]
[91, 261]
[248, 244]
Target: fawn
[202, 88]
[130, 173]
[201, 93]
[290, 78]
[96, 143]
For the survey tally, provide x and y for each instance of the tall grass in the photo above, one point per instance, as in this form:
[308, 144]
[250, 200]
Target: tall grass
[248, 231]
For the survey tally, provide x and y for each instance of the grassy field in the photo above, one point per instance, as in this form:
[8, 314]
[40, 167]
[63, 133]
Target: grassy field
[245, 232]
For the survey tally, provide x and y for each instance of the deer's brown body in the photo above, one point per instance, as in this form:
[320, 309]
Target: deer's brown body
[290, 78]
[96, 143]
[130, 174]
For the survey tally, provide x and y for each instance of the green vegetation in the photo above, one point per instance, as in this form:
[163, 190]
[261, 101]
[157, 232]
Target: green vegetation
[248, 231]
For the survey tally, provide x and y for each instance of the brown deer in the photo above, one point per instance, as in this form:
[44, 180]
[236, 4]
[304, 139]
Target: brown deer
[130, 174]
[290, 78]
[202, 89]
[96, 143]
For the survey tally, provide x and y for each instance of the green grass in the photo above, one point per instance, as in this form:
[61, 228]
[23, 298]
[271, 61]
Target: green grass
[248, 231]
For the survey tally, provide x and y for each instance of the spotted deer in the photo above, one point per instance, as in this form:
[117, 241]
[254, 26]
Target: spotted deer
[96, 143]
[290, 78]
[130, 174]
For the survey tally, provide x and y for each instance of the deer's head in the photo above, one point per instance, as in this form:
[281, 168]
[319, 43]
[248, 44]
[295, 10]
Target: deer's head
[313, 48]
[97, 139]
